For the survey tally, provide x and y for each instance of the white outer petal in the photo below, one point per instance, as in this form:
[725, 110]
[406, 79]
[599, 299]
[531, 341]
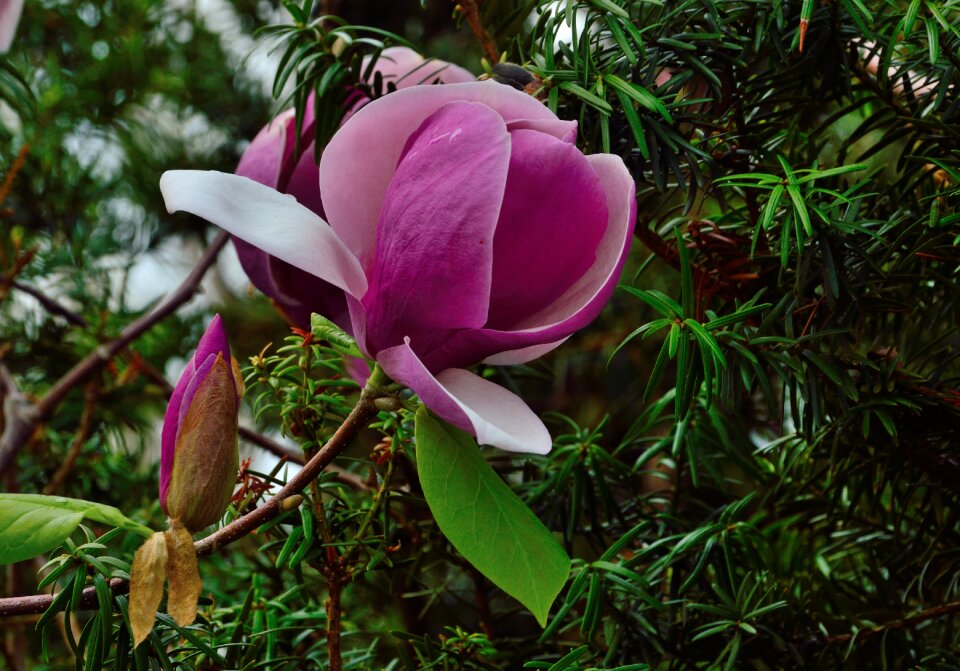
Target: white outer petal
[523, 355]
[499, 417]
[267, 219]
[493, 414]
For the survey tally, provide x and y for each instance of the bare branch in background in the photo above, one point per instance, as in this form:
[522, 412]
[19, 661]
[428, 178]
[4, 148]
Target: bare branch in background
[24, 419]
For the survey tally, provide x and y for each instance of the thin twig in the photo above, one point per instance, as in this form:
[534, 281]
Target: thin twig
[12, 172]
[471, 12]
[21, 426]
[83, 433]
[50, 305]
[334, 590]
[358, 418]
[922, 616]
[355, 421]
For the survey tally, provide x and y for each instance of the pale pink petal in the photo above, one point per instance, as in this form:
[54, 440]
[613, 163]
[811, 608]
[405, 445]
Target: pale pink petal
[353, 190]
[558, 128]
[436, 236]
[9, 18]
[272, 221]
[494, 415]
[405, 67]
[522, 355]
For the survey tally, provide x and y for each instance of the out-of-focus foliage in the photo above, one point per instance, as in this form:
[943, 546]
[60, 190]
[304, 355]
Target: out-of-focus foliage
[755, 461]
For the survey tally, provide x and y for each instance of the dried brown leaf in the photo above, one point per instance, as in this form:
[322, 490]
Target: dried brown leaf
[182, 574]
[147, 574]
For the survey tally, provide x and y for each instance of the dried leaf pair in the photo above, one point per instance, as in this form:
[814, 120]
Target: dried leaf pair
[165, 556]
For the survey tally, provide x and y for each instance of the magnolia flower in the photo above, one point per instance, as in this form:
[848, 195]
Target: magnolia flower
[464, 226]
[9, 18]
[899, 77]
[198, 448]
[271, 159]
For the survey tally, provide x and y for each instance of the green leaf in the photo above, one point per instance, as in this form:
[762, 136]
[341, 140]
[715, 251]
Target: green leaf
[640, 94]
[31, 524]
[485, 521]
[342, 341]
[587, 97]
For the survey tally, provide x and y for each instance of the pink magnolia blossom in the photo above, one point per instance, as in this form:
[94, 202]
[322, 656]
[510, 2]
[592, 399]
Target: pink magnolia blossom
[920, 84]
[464, 226]
[198, 445]
[272, 159]
[9, 18]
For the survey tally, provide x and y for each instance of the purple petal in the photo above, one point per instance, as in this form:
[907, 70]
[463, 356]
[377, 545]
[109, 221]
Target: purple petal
[494, 415]
[256, 264]
[212, 342]
[298, 293]
[358, 369]
[273, 146]
[580, 304]
[274, 222]
[354, 190]
[304, 182]
[195, 381]
[553, 216]
[168, 435]
[436, 234]
[317, 296]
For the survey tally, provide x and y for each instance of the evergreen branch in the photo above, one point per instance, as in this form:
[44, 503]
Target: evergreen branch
[359, 417]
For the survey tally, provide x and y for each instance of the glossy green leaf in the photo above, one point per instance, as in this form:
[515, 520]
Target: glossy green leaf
[31, 524]
[485, 521]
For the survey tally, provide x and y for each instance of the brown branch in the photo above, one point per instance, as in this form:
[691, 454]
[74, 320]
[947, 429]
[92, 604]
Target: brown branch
[17, 410]
[924, 615]
[668, 253]
[83, 433]
[335, 590]
[12, 172]
[358, 418]
[50, 305]
[471, 12]
[21, 426]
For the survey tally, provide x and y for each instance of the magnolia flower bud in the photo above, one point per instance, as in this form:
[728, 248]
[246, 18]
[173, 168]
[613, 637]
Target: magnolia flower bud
[199, 458]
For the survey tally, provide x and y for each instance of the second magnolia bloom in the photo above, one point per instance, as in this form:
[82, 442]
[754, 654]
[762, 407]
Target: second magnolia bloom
[465, 226]
[277, 159]
[199, 452]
